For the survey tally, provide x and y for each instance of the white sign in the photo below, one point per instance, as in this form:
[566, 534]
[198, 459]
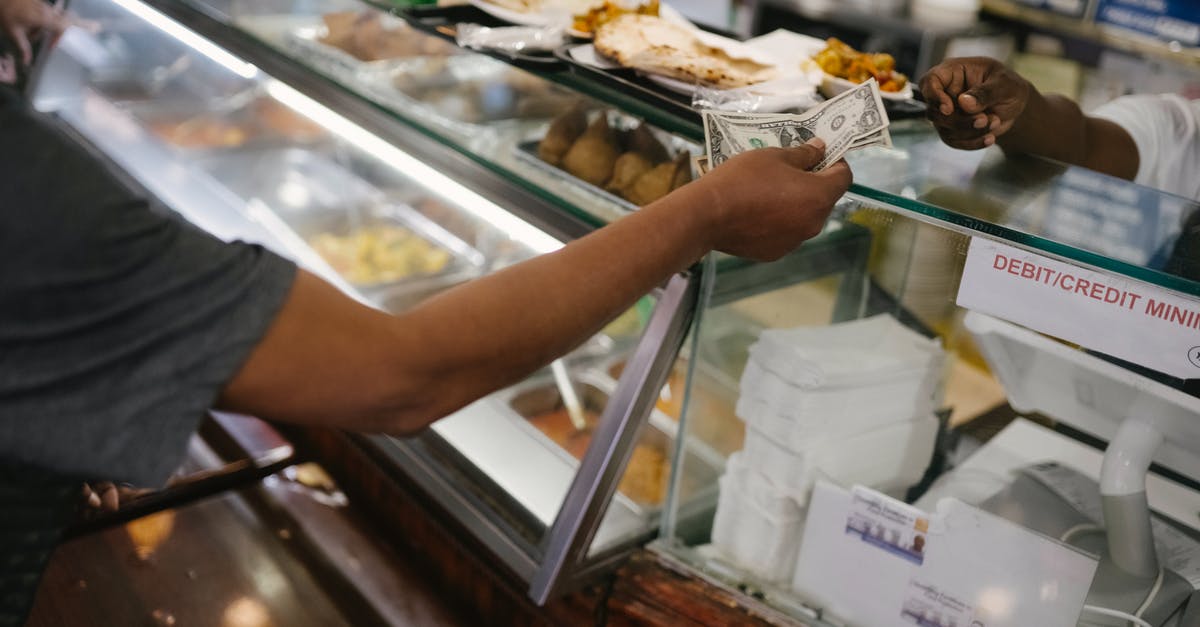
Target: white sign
[869, 560]
[1127, 319]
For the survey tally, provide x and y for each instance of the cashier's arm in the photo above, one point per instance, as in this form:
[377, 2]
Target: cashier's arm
[975, 102]
[329, 360]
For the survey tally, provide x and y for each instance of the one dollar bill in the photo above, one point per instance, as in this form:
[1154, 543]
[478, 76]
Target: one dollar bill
[854, 119]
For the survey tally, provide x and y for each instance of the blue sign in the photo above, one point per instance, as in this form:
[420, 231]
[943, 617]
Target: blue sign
[1070, 8]
[1169, 20]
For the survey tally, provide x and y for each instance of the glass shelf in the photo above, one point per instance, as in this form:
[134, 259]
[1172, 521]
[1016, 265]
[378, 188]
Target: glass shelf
[1063, 211]
[454, 97]
[1032, 203]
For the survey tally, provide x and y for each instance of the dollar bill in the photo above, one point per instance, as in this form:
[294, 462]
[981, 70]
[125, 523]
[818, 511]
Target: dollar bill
[854, 119]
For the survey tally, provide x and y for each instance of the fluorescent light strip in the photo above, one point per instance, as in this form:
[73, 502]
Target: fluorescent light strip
[189, 38]
[511, 225]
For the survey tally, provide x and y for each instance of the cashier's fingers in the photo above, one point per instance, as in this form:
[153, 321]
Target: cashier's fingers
[934, 91]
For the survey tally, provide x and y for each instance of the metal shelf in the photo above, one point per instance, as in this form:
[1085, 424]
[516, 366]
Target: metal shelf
[1090, 31]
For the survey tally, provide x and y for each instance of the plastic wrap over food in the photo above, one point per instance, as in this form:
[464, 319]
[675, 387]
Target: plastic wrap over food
[510, 39]
[791, 93]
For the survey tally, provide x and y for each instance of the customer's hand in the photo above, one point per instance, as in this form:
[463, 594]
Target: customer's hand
[767, 201]
[108, 496]
[23, 22]
[973, 101]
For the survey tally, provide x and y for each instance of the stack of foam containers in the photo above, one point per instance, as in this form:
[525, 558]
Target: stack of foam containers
[851, 403]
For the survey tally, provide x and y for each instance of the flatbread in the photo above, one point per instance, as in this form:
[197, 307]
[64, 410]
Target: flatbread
[652, 44]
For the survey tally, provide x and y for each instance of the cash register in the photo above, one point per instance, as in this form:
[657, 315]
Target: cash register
[1148, 560]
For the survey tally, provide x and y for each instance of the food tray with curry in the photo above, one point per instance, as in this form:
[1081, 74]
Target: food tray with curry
[539, 406]
[245, 121]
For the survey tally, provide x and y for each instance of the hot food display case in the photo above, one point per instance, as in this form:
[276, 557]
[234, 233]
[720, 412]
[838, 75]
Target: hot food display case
[738, 415]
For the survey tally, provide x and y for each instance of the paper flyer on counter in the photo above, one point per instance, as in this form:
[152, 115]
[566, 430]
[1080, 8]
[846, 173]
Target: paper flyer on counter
[956, 567]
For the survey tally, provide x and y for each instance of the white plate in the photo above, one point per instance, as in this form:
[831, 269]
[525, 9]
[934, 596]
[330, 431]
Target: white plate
[673, 84]
[586, 54]
[832, 86]
[529, 18]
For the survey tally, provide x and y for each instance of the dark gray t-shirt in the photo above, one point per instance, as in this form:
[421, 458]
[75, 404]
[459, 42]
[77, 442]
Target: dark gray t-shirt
[120, 322]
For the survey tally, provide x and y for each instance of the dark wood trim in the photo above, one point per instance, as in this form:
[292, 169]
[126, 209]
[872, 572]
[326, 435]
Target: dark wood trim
[646, 590]
[459, 567]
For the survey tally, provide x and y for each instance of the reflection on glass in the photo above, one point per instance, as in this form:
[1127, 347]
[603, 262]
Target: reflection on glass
[1085, 211]
[150, 532]
[246, 612]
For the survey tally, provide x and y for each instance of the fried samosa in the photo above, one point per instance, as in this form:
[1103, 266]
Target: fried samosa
[563, 132]
[657, 182]
[627, 170]
[641, 140]
[593, 155]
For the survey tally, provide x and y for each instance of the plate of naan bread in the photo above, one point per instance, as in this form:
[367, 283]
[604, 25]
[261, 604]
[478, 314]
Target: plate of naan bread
[680, 57]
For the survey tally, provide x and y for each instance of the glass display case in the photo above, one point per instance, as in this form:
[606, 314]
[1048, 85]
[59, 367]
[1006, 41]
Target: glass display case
[395, 165]
[246, 155]
[808, 401]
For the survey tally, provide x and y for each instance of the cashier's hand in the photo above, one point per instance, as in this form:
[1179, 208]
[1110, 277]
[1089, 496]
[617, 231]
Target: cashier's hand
[22, 22]
[767, 201]
[973, 101]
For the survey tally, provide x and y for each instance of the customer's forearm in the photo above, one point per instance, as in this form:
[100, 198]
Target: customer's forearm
[473, 340]
[329, 360]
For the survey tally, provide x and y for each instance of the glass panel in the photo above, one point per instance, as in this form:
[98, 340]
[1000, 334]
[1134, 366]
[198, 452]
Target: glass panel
[1035, 203]
[1064, 210]
[494, 113]
[782, 398]
[203, 129]
[743, 526]
[520, 443]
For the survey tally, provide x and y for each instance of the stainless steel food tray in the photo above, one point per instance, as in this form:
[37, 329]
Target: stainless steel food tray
[703, 466]
[236, 110]
[137, 74]
[433, 85]
[290, 181]
[527, 153]
[466, 263]
[313, 194]
[305, 44]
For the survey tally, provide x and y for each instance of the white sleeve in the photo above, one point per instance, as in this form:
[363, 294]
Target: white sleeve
[1166, 130]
